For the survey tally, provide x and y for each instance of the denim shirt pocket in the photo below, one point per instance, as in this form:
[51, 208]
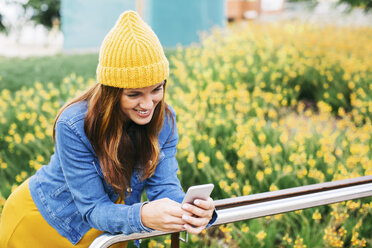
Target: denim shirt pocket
[63, 204]
[62, 193]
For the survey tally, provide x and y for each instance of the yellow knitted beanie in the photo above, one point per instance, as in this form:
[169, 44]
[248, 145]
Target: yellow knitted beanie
[131, 55]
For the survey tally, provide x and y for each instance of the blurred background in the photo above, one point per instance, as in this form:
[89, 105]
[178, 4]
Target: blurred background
[269, 95]
[39, 27]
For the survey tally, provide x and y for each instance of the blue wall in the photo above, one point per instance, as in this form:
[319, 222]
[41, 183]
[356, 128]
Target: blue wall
[180, 21]
[85, 23]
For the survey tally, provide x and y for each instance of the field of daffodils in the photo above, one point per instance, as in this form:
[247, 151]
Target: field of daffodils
[259, 108]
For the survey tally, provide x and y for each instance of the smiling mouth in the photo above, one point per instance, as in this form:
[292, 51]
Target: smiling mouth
[143, 112]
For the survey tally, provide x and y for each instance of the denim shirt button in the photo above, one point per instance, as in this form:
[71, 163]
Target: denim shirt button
[73, 238]
[129, 190]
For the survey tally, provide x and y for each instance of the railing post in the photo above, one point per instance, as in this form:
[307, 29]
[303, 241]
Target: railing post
[175, 240]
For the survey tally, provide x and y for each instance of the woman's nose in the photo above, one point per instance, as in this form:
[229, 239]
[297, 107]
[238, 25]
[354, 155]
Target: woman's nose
[146, 102]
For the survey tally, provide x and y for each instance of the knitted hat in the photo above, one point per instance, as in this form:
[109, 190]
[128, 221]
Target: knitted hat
[131, 55]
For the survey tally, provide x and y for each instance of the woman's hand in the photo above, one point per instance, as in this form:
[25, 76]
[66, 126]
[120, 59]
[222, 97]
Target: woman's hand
[164, 215]
[199, 215]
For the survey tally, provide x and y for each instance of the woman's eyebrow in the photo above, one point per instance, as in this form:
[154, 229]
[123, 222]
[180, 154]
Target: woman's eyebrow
[131, 91]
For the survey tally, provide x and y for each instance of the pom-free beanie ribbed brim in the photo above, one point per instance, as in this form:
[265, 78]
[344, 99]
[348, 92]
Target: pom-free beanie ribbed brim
[131, 55]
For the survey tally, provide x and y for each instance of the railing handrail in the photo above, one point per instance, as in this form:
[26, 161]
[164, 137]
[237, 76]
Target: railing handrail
[263, 204]
[292, 204]
[290, 192]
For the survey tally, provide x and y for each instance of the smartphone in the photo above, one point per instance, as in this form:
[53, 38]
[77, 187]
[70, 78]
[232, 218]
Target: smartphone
[202, 192]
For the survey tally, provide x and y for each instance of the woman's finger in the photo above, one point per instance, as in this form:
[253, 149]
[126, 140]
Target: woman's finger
[197, 211]
[169, 220]
[173, 227]
[195, 221]
[208, 204]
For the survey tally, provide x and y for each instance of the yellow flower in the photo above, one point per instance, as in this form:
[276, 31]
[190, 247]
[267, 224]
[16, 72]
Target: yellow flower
[39, 158]
[351, 85]
[316, 216]
[247, 189]
[167, 241]
[222, 184]
[240, 166]
[302, 173]
[231, 175]
[184, 142]
[228, 237]
[219, 155]
[40, 135]
[341, 112]
[245, 229]
[287, 239]
[261, 235]
[17, 138]
[225, 228]
[235, 186]
[200, 165]
[287, 169]
[191, 158]
[268, 171]
[273, 187]
[262, 138]
[353, 205]
[212, 142]
[299, 243]
[260, 176]
[3, 165]
[311, 162]
[203, 158]
[18, 178]
[153, 243]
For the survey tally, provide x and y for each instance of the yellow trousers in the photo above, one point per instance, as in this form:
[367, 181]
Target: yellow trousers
[21, 225]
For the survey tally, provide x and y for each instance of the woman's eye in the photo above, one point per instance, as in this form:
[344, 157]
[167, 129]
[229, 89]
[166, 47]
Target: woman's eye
[159, 88]
[132, 95]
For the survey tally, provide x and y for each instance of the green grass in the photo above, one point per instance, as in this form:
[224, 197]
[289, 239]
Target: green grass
[18, 72]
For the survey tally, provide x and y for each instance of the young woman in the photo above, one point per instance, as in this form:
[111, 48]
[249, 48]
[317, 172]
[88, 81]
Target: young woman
[111, 143]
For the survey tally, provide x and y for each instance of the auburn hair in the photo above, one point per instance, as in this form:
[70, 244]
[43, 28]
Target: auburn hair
[118, 142]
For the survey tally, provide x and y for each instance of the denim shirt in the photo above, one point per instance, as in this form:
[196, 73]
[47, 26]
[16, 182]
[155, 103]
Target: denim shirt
[72, 195]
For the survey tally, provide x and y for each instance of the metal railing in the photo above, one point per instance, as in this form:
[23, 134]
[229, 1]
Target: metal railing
[263, 204]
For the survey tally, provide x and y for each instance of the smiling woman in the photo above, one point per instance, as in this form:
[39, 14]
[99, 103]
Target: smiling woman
[139, 104]
[112, 142]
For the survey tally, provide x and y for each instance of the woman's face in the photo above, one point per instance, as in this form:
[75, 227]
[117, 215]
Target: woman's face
[139, 104]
